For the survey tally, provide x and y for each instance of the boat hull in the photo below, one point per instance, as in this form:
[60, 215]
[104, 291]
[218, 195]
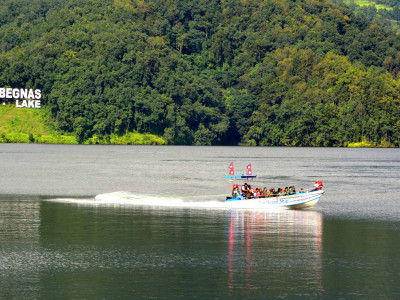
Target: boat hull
[297, 201]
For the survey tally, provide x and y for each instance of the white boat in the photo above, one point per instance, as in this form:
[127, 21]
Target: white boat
[296, 201]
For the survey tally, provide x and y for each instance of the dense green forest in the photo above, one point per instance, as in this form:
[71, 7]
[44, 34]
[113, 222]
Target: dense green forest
[207, 72]
[383, 12]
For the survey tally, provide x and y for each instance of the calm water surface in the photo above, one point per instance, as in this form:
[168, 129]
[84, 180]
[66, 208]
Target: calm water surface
[109, 222]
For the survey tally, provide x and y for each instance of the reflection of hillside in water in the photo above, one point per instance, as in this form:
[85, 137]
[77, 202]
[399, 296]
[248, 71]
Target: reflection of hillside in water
[275, 249]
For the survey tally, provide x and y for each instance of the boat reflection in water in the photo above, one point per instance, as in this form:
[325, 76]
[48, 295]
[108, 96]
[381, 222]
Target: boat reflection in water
[279, 249]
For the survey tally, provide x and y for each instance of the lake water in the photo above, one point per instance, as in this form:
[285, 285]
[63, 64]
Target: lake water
[116, 222]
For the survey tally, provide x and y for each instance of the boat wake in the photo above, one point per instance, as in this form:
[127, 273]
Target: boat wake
[131, 199]
[127, 198]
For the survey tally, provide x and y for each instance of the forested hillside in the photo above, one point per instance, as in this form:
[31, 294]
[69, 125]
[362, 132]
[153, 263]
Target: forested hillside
[259, 72]
[384, 12]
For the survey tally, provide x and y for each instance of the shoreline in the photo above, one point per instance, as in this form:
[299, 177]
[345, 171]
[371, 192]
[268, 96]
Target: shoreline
[36, 126]
[124, 140]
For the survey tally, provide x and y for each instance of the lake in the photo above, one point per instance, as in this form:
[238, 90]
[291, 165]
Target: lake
[128, 222]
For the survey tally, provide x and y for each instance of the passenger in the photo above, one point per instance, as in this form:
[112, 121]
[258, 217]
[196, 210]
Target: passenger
[317, 186]
[320, 185]
[256, 193]
[301, 191]
[235, 193]
[279, 193]
[249, 192]
[235, 188]
[291, 190]
[263, 192]
[245, 189]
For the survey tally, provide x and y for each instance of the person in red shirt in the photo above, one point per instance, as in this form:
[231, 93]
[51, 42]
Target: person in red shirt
[317, 185]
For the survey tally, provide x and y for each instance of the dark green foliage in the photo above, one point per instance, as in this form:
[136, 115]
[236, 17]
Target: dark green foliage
[274, 72]
[328, 103]
[383, 12]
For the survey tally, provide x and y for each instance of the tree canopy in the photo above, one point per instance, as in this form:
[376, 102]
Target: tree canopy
[207, 72]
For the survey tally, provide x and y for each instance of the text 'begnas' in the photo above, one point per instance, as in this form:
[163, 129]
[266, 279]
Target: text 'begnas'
[28, 98]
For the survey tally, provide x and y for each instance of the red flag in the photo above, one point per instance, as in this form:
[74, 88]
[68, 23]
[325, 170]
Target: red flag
[231, 170]
[249, 170]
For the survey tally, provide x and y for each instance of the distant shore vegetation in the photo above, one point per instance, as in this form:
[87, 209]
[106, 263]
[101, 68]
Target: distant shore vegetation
[202, 72]
[35, 126]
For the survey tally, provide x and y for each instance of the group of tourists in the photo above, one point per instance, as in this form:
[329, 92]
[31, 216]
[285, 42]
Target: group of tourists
[249, 193]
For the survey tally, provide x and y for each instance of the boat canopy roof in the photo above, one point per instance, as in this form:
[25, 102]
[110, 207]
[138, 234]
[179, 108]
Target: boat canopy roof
[240, 176]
